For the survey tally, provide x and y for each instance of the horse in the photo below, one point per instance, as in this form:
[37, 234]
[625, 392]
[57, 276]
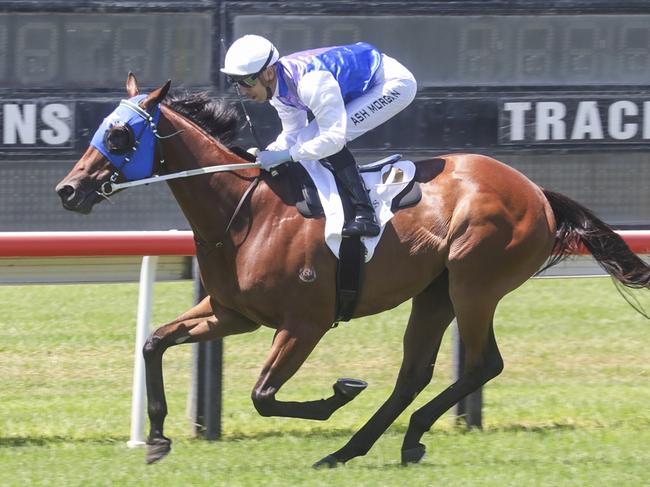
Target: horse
[480, 230]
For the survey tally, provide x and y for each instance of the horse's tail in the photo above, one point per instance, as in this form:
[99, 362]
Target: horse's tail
[577, 225]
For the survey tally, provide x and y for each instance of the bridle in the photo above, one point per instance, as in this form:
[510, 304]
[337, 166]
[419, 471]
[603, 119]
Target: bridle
[151, 123]
[129, 153]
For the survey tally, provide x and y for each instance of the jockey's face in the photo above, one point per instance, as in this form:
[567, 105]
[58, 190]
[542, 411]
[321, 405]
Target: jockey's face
[262, 89]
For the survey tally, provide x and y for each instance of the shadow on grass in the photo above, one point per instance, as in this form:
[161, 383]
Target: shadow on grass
[26, 441]
[336, 433]
[401, 430]
[533, 428]
[321, 433]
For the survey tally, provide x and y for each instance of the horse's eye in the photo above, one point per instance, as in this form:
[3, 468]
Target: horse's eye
[119, 139]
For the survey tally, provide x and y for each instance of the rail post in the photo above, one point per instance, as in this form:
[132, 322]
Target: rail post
[145, 294]
[207, 378]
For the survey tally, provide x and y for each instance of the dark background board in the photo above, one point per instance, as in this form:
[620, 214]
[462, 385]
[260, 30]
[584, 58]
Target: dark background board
[558, 90]
[86, 50]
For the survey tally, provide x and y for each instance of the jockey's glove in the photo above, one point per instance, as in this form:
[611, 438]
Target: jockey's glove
[268, 159]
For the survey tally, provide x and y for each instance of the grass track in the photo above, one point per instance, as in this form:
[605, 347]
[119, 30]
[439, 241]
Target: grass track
[572, 406]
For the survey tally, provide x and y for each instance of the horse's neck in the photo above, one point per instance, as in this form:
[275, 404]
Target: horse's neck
[208, 201]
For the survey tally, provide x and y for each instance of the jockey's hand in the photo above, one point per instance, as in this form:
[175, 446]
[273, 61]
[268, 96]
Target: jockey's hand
[268, 159]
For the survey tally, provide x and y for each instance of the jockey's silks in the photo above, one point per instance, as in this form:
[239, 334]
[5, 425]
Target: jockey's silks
[353, 66]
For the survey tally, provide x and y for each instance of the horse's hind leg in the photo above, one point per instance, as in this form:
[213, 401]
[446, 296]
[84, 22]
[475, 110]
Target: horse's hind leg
[431, 313]
[483, 362]
[200, 323]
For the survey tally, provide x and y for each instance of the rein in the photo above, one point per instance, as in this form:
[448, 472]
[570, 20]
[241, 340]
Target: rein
[218, 244]
[108, 188]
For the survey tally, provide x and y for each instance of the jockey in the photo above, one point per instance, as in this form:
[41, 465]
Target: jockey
[349, 90]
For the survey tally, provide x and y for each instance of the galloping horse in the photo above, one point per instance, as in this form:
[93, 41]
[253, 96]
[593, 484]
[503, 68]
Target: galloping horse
[480, 231]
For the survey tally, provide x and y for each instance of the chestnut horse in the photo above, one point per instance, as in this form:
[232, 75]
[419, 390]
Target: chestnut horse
[480, 231]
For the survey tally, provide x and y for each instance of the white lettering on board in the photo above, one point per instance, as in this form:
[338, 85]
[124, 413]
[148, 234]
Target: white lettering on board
[35, 124]
[55, 116]
[549, 120]
[517, 111]
[615, 126]
[569, 119]
[587, 123]
[19, 122]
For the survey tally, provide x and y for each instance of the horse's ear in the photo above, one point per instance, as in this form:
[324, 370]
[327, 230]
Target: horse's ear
[132, 85]
[156, 96]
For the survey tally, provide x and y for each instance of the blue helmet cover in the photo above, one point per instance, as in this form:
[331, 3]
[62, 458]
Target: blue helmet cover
[136, 163]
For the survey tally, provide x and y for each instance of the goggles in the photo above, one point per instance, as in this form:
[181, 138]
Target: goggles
[247, 81]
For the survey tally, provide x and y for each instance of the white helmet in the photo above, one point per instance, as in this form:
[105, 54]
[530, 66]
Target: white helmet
[249, 55]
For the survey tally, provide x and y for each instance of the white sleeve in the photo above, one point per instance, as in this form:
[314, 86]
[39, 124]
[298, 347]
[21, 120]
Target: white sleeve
[320, 91]
[293, 120]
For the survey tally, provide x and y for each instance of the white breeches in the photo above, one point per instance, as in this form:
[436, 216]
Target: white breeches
[394, 90]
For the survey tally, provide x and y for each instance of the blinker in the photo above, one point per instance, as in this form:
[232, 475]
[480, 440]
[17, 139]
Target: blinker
[135, 159]
[126, 140]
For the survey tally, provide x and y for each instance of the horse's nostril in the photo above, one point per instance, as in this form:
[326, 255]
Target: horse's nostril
[65, 192]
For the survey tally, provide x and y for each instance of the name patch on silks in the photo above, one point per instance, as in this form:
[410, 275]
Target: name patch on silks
[137, 161]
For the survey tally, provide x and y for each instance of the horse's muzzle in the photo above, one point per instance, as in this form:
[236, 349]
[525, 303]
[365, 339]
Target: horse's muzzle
[76, 198]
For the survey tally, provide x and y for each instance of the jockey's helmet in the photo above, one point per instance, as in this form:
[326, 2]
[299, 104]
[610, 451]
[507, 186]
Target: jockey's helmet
[249, 55]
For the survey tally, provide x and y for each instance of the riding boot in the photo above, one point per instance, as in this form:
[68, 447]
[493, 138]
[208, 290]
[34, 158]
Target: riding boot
[364, 223]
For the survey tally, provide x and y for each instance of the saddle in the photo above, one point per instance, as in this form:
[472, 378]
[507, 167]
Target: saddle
[309, 205]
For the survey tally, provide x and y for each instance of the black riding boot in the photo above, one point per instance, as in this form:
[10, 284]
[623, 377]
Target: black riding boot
[364, 223]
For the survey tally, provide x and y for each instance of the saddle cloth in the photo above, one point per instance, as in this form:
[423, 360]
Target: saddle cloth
[383, 184]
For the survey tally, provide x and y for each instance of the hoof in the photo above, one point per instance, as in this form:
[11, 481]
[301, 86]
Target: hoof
[328, 462]
[349, 388]
[157, 449]
[413, 455]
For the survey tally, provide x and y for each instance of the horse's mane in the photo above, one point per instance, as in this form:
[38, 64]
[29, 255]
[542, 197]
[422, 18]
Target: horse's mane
[217, 117]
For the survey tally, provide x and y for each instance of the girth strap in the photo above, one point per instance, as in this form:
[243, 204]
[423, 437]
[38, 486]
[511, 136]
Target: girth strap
[349, 274]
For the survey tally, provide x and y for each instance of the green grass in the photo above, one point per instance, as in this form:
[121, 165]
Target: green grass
[572, 406]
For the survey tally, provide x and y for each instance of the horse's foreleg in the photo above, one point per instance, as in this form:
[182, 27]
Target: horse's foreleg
[291, 346]
[200, 323]
[430, 316]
